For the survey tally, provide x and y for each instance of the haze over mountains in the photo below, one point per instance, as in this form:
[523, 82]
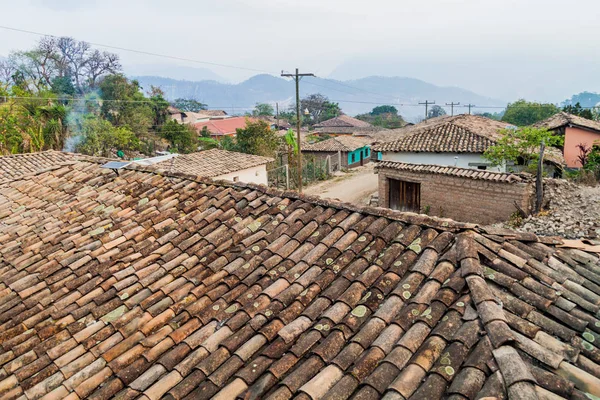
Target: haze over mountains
[355, 96]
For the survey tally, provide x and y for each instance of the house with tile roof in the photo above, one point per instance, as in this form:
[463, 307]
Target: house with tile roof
[165, 285]
[189, 117]
[346, 151]
[576, 131]
[457, 141]
[220, 128]
[343, 125]
[220, 164]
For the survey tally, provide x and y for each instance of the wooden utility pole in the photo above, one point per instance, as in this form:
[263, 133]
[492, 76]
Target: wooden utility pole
[277, 114]
[452, 107]
[427, 103]
[297, 76]
[469, 105]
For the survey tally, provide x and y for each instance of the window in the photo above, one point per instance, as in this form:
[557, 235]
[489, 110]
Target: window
[353, 158]
[236, 178]
[483, 167]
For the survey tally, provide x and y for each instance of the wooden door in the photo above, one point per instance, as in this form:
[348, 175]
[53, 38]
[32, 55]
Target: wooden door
[405, 196]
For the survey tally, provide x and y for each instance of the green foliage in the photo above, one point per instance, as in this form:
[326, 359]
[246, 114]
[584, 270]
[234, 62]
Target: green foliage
[319, 108]
[257, 138]
[227, 143]
[522, 113]
[578, 110]
[495, 116]
[586, 99]
[189, 105]
[383, 116]
[134, 112]
[11, 140]
[183, 138]
[521, 144]
[291, 142]
[379, 110]
[263, 109]
[100, 138]
[592, 164]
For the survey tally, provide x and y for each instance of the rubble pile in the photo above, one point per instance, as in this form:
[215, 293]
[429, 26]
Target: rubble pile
[572, 211]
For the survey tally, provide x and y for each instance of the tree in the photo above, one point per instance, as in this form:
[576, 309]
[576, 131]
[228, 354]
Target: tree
[383, 116]
[522, 113]
[319, 108]
[263, 109]
[188, 105]
[379, 110]
[495, 116]
[527, 145]
[578, 110]
[257, 138]
[100, 138]
[436, 111]
[125, 105]
[64, 58]
[182, 137]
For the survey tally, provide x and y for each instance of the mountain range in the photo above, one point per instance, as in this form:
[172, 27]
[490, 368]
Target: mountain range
[354, 96]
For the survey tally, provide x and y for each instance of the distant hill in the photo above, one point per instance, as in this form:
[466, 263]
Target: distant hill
[355, 96]
[586, 99]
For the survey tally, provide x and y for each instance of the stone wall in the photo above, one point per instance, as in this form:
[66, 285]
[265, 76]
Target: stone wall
[462, 199]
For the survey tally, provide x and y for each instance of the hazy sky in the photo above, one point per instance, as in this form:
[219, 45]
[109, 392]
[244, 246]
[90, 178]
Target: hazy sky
[538, 49]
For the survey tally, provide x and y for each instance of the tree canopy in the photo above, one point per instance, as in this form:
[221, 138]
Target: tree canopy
[188, 105]
[436, 111]
[522, 112]
[384, 116]
[263, 109]
[258, 138]
[577, 109]
[319, 109]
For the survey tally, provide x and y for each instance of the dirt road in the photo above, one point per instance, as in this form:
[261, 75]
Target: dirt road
[355, 186]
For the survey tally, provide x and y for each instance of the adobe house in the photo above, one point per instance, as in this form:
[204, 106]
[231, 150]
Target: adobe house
[349, 151]
[576, 130]
[456, 141]
[463, 194]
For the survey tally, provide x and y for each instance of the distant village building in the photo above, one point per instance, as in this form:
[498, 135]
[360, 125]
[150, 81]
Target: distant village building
[348, 151]
[463, 194]
[457, 141]
[189, 117]
[220, 165]
[343, 125]
[220, 128]
[576, 130]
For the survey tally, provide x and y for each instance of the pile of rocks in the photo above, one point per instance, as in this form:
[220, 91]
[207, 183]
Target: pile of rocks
[573, 211]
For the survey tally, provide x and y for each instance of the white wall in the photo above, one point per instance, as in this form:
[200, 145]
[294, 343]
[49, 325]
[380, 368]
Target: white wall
[250, 175]
[446, 159]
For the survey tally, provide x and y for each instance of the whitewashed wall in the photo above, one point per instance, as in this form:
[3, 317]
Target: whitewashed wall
[448, 159]
[250, 175]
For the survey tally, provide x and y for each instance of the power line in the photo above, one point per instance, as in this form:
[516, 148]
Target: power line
[427, 103]
[452, 104]
[148, 53]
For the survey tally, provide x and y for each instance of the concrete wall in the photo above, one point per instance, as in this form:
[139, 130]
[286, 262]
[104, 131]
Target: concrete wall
[365, 155]
[573, 137]
[249, 175]
[463, 160]
[462, 199]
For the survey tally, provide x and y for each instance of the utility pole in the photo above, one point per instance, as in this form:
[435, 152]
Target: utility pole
[427, 103]
[470, 105]
[452, 107]
[297, 76]
[277, 114]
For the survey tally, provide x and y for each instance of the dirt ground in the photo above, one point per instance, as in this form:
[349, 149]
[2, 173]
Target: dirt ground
[355, 186]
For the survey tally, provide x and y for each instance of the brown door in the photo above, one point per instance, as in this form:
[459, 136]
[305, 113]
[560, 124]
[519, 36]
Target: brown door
[405, 196]
[361, 157]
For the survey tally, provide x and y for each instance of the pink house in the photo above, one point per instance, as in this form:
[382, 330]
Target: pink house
[576, 130]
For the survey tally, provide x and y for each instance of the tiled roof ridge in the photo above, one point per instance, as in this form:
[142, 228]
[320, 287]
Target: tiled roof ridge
[508, 177]
[282, 299]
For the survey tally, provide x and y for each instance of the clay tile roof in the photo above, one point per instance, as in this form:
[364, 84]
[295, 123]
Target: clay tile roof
[343, 121]
[226, 126]
[457, 134]
[456, 171]
[211, 163]
[14, 166]
[562, 118]
[340, 143]
[146, 285]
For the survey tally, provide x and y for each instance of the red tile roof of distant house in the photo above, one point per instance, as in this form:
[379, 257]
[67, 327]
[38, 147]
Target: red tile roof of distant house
[223, 127]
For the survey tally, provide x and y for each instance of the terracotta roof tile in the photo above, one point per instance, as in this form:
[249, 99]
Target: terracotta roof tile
[176, 299]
